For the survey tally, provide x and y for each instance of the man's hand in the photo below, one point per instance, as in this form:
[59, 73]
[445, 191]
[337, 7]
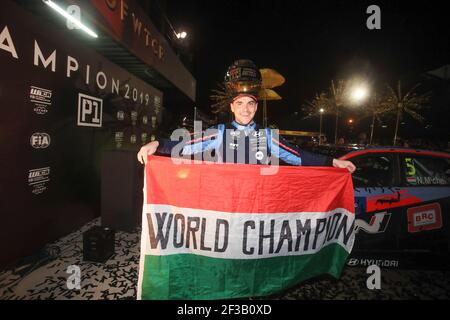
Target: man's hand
[148, 149]
[344, 164]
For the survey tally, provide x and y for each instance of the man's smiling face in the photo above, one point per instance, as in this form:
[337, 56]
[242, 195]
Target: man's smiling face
[244, 109]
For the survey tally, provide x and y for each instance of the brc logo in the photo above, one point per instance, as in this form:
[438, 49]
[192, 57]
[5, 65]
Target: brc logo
[89, 111]
[423, 218]
[40, 140]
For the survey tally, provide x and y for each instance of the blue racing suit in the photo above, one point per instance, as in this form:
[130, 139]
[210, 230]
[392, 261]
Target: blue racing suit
[237, 143]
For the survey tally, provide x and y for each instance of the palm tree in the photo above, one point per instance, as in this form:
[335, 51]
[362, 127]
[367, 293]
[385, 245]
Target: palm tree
[411, 102]
[317, 106]
[338, 98]
[311, 108]
[375, 108]
[331, 102]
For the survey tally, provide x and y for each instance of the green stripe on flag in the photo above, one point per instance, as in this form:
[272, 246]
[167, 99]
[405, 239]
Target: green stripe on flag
[190, 276]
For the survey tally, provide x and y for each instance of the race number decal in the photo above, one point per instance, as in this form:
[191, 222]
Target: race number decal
[410, 171]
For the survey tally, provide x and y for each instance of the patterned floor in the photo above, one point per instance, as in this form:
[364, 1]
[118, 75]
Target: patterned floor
[117, 278]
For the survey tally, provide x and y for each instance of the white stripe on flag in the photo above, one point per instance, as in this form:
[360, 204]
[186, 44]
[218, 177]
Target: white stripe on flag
[243, 235]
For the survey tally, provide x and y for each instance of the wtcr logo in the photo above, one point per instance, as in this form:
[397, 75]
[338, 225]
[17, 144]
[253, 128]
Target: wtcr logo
[89, 111]
[38, 175]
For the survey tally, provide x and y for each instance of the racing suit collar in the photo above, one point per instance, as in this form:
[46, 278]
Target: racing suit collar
[250, 126]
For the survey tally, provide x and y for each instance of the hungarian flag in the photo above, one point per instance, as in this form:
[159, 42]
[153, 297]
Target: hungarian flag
[218, 231]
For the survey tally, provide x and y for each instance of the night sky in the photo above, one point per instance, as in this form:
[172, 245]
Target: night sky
[310, 43]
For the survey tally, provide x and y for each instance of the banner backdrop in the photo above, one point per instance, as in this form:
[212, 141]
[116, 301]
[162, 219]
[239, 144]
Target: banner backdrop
[62, 104]
[226, 231]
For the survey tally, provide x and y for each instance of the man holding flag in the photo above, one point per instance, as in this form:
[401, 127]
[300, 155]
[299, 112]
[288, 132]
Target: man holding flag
[245, 141]
[229, 231]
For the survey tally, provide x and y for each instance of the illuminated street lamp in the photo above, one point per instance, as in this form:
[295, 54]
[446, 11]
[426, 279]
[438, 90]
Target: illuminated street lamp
[359, 94]
[182, 35]
[350, 126]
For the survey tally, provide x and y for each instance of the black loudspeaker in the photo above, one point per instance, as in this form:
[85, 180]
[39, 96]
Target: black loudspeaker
[122, 180]
[98, 244]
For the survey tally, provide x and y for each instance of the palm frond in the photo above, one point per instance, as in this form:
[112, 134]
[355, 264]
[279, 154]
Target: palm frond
[411, 91]
[320, 101]
[221, 98]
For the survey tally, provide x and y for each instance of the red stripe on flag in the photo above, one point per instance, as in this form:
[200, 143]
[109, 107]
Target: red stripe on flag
[242, 188]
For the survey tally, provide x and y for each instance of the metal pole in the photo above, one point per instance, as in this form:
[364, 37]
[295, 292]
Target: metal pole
[336, 126]
[371, 130]
[396, 124]
[320, 129]
[265, 113]
[337, 111]
[399, 106]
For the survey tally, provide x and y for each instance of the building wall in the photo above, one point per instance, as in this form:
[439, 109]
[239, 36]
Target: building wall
[62, 106]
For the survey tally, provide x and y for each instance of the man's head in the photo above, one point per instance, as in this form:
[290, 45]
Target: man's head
[243, 81]
[244, 108]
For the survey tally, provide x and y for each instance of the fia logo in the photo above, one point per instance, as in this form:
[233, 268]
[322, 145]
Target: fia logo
[40, 140]
[89, 111]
